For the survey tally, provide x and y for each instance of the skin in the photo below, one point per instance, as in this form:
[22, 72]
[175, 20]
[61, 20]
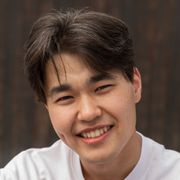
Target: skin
[86, 100]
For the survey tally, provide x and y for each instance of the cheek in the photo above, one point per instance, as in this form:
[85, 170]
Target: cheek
[61, 121]
[122, 106]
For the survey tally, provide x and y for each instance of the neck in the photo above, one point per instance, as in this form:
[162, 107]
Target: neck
[118, 168]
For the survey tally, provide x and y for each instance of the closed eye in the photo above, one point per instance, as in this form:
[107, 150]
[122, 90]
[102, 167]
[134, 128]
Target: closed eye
[103, 88]
[64, 99]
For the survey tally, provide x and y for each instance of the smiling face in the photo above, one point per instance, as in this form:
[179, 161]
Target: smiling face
[93, 113]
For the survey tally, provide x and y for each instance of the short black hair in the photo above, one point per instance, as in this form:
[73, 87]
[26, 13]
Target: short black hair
[102, 40]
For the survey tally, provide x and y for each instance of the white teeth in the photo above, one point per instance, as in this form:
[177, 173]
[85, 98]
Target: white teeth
[88, 135]
[101, 131]
[84, 135]
[105, 129]
[92, 133]
[95, 133]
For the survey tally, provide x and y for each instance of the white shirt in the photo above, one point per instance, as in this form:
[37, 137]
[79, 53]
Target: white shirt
[59, 162]
[156, 163]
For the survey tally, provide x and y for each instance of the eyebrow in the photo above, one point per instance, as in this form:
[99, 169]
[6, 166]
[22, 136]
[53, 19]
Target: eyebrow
[94, 79]
[59, 89]
[100, 77]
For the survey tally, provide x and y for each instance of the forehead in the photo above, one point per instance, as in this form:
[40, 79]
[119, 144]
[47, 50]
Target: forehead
[66, 64]
[66, 68]
[69, 68]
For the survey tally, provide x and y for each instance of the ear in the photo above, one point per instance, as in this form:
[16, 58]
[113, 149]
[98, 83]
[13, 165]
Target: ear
[137, 85]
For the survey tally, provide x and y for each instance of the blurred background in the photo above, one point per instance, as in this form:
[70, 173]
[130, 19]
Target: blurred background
[155, 27]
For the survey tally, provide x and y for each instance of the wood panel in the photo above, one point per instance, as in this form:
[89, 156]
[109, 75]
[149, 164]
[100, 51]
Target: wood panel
[156, 32]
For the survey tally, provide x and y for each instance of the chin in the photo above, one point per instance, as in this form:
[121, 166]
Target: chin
[99, 157]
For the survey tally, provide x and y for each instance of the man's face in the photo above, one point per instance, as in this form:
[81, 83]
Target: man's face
[93, 113]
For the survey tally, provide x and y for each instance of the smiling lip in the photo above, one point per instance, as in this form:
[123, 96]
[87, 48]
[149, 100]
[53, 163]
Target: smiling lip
[96, 135]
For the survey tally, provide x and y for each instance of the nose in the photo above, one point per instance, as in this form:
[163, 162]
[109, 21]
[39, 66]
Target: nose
[88, 109]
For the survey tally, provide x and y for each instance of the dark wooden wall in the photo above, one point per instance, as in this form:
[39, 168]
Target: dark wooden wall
[155, 27]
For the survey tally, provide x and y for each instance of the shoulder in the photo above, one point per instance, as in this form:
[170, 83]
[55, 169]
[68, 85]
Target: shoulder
[168, 164]
[37, 155]
[164, 163]
[47, 163]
